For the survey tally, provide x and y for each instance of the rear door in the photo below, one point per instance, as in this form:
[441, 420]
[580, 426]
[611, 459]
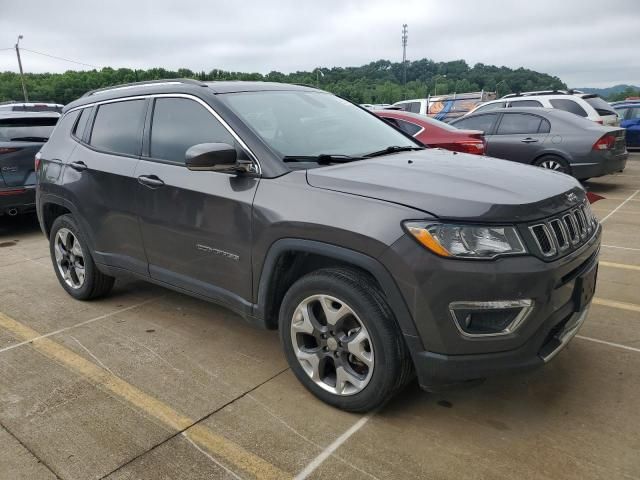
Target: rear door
[196, 225]
[99, 179]
[20, 139]
[518, 137]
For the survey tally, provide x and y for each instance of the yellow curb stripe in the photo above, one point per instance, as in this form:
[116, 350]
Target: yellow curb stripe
[613, 304]
[620, 265]
[220, 447]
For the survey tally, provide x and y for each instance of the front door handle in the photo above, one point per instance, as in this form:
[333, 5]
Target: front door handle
[529, 140]
[79, 166]
[150, 181]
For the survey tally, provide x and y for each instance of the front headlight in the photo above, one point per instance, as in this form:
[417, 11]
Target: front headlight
[466, 241]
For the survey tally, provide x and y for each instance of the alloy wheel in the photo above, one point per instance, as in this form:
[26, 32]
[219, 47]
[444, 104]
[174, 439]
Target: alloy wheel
[553, 165]
[69, 258]
[332, 345]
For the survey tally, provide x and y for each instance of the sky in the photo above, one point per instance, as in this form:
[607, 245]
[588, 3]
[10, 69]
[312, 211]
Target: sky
[587, 43]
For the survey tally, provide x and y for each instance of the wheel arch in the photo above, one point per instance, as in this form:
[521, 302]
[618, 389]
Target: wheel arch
[289, 259]
[552, 153]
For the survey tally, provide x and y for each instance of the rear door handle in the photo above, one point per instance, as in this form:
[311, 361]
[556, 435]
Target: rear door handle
[150, 181]
[529, 140]
[79, 166]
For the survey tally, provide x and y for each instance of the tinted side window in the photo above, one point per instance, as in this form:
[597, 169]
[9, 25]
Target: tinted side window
[178, 124]
[408, 127]
[513, 123]
[633, 113]
[118, 127]
[480, 122]
[526, 103]
[81, 124]
[568, 106]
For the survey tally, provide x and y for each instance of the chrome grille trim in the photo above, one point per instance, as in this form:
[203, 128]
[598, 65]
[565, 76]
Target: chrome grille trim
[565, 232]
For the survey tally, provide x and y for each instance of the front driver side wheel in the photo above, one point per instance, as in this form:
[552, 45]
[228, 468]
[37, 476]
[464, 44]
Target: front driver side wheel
[342, 341]
[72, 261]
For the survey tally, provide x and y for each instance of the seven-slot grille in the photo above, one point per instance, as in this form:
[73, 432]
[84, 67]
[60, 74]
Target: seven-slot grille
[560, 234]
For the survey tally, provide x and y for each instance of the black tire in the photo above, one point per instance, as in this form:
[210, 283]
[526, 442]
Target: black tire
[553, 162]
[95, 284]
[392, 366]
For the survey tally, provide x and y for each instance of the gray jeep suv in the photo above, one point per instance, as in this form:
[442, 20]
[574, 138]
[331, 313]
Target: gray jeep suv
[376, 258]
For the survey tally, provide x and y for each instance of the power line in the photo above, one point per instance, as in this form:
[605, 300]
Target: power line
[59, 58]
[8, 48]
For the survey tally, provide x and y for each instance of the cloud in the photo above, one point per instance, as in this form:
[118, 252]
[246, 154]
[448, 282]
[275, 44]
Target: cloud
[582, 42]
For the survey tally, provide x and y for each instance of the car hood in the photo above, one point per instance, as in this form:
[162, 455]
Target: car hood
[454, 186]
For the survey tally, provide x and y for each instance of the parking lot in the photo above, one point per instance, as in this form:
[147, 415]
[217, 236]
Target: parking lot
[149, 384]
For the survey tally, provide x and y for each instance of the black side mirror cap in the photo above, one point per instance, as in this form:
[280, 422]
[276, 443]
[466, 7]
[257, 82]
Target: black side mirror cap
[215, 157]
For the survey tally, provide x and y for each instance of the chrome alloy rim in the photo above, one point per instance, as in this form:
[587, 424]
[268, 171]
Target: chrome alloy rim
[553, 165]
[332, 345]
[69, 258]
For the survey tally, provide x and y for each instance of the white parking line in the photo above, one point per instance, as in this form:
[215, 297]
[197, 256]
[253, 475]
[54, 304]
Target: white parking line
[622, 248]
[611, 344]
[327, 452]
[55, 332]
[620, 206]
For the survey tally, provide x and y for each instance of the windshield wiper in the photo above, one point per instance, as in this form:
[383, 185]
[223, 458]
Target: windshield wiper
[322, 159]
[392, 149]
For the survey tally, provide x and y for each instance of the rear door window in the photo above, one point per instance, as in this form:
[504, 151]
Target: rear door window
[479, 122]
[117, 127]
[526, 103]
[81, 124]
[518, 123]
[30, 129]
[178, 124]
[568, 106]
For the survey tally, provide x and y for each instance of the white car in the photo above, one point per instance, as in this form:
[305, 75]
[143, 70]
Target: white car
[585, 105]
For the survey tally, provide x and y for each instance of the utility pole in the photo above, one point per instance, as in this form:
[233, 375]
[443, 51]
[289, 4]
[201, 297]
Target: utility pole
[24, 87]
[405, 36]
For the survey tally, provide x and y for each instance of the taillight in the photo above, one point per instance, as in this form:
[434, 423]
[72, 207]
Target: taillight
[37, 161]
[601, 122]
[606, 142]
[4, 150]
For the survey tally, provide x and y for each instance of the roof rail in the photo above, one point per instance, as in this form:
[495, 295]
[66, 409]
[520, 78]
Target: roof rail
[149, 83]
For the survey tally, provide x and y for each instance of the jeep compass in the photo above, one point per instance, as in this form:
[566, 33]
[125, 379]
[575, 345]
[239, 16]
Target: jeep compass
[376, 259]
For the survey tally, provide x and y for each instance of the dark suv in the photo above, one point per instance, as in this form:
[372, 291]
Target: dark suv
[373, 256]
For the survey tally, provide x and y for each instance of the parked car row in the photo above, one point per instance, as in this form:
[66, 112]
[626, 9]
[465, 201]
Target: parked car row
[629, 113]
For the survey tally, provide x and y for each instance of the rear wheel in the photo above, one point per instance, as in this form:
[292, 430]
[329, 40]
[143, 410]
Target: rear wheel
[551, 162]
[72, 261]
[341, 340]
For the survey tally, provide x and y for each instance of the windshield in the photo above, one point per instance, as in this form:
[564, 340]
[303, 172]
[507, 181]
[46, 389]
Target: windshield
[308, 124]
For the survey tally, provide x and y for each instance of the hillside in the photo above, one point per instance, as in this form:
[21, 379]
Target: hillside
[609, 91]
[376, 82]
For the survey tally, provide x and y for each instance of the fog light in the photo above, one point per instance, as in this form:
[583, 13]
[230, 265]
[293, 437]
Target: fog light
[480, 319]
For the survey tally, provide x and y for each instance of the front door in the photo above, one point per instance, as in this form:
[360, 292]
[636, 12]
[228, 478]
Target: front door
[196, 225]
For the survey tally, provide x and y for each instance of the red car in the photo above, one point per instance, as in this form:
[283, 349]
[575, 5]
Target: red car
[434, 133]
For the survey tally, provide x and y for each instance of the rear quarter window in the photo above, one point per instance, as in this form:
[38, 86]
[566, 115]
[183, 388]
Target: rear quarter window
[600, 106]
[408, 127]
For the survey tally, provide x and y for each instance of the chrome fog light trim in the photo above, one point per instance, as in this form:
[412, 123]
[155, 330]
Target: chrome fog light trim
[525, 305]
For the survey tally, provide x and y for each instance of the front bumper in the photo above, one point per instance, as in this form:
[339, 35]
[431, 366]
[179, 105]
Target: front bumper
[442, 355]
[17, 199]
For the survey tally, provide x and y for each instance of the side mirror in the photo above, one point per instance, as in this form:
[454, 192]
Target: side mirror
[214, 157]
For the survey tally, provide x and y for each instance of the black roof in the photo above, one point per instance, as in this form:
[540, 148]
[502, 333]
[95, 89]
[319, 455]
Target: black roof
[180, 85]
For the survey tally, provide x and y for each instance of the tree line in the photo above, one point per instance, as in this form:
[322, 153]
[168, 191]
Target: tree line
[376, 82]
